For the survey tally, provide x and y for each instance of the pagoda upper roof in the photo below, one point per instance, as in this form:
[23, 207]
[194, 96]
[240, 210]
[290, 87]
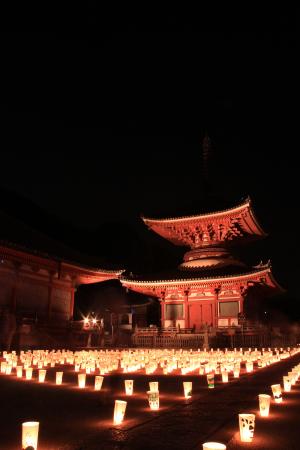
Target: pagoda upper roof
[212, 228]
[229, 276]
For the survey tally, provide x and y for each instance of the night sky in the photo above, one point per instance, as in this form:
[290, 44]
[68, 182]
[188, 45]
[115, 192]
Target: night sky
[100, 126]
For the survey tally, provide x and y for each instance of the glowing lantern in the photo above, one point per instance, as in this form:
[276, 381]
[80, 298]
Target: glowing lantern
[249, 366]
[236, 372]
[224, 376]
[287, 383]
[42, 375]
[128, 387]
[19, 371]
[264, 404]
[3, 366]
[30, 432]
[59, 377]
[153, 386]
[153, 399]
[119, 411]
[292, 376]
[246, 423]
[81, 380]
[213, 446]
[276, 389]
[187, 387]
[29, 373]
[211, 380]
[98, 382]
[8, 369]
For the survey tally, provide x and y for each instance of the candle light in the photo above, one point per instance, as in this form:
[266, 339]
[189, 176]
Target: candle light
[264, 404]
[211, 380]
[98, 382]
[81, 380]
[119, 411]
[246, 423]
[276, 389]
[58, 377]
[224, 376]
[30, 432]
[287, 383]
[153, 399]
[153, 385]
[128, 387]
[42, 375]
[187, 387]
[29, 373]
[213, 446]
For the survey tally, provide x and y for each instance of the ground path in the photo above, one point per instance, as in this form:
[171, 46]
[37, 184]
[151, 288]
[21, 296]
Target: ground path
[75, 419]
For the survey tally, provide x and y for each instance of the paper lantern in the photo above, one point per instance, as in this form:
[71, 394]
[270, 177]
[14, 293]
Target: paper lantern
[287, 383]
[249, 366]
[211, 380]
[42, 375]
[236, 372]
[187, 388]
[30, 433]
[153, 399]
[19, 371]
[264, 404]
[58, 377]
[8, 369]
[98, 382]
[246, 423]
[119, 411]
[224, 376]
[3, 366]
[81, 380]
[29, 373]
[128, 387]
[276, 389]
[292, 376]
[153, 385]
[213, 446]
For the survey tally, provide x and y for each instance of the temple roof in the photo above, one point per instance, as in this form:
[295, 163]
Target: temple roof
[212, 228]
[21, 243]
[212, 277]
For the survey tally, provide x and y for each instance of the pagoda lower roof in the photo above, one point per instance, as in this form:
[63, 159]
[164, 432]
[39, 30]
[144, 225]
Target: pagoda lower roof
[229, 275]
[211, 228]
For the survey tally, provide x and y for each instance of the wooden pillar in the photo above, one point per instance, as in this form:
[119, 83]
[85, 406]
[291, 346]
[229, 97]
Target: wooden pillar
[186, 309]
[162, 309]
[71, 314]
[216, 307]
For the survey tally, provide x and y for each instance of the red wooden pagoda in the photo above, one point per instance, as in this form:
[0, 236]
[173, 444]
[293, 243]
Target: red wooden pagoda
[210, 285]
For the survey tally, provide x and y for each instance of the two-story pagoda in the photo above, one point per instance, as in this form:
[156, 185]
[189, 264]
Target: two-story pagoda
[210, 285]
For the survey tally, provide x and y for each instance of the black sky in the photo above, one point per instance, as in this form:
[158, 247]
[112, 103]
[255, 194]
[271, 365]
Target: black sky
[99, 126]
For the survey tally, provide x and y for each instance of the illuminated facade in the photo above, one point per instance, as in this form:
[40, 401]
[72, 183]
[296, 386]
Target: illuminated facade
[33, 283]
[210, 286]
